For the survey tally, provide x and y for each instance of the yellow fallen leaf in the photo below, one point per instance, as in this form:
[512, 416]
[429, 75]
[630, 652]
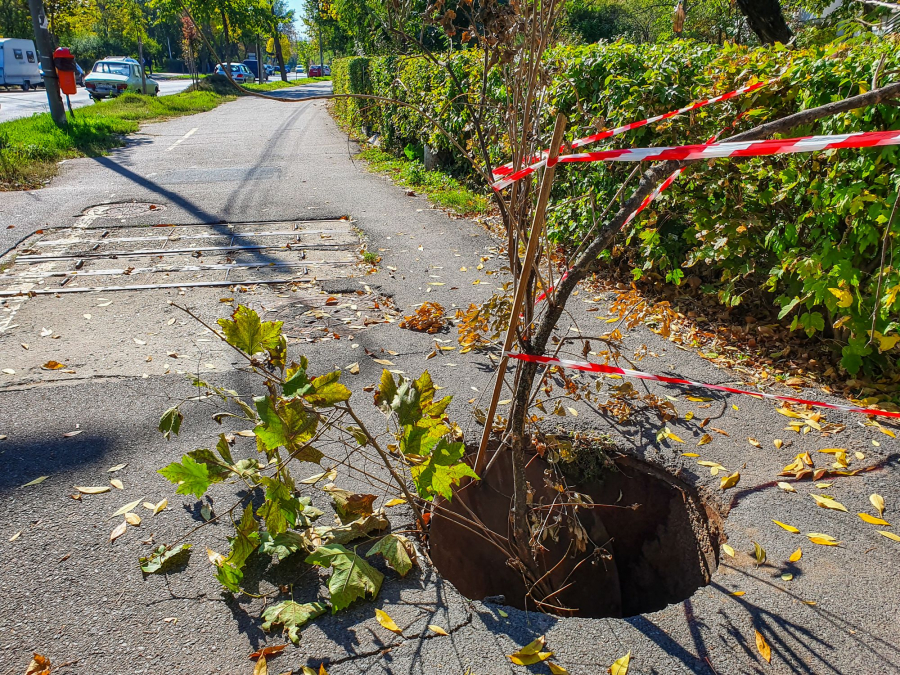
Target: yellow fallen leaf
[887, 431]
[387, 622]
[820, 535]
[215, 558]
[872, 520]
[889, 535]
[706, 462]
[787, 487]
[833, 451]
[824, 542]
[132, 519]
[778, 443]
[787, 412]
[754, 442]
[759, 553]
[730, 481]
[689, 416]
[704, 439]
[116, 483]
[556, 669]
[796, 555]
[822, 486]
[763, 647]
[787, 576]
[859, 455]
[529, 659]
[384, 362]
[620, 667]
[878, 502]
[394, 502]
[738, 594]
[829, 503]
[789, 528]
[734, 407]
[92, 490]
[667, 434]
[128, 507]
[811, 603]
[118, 531]
[532, 647]
[689, 454]
[728, 550]
[161, 506]
[437, 629]
[53, 365]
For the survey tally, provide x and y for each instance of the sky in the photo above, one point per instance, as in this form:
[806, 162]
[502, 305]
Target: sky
[297, 6]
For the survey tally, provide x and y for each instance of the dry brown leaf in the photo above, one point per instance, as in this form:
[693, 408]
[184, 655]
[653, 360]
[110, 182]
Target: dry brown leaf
[267, 651]
[261, 668]
[40, 665]
[763, 647]
[53, 365]
[719, 431]
[118, 531]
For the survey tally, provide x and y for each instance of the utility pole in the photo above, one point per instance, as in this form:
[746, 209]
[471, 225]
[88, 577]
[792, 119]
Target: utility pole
[141, 59]
[45, 47]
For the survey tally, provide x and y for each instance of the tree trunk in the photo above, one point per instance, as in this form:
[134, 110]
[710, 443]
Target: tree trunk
[226, 36]
[766, 20]
[276, 38]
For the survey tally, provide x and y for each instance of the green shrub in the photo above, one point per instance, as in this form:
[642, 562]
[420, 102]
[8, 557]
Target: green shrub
[801, 231]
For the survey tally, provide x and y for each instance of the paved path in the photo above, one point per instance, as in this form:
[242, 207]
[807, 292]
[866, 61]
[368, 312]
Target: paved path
[65, 591]
[18, 103]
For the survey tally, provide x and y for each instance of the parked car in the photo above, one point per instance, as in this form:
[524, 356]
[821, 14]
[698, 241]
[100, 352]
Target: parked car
[319, 71]
[19, 64]
[270, 70]
[300, 68]
[239, 73]
[253, 66]
[114, 76]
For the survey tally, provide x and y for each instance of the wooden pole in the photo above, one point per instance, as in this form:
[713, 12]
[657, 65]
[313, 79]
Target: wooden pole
[534, 238]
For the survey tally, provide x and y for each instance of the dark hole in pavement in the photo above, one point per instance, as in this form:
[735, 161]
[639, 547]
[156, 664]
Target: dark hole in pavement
[645, 558]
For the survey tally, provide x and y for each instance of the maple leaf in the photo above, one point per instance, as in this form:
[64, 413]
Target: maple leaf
[246, 332]
[191, 476]
[292, 615]
[352, 577]
[397, 551]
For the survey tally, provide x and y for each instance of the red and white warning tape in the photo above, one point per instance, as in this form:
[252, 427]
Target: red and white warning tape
[507, 169]
[625, 372]
[866, 139]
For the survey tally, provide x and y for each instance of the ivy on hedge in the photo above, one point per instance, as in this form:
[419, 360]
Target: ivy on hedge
[804, 229]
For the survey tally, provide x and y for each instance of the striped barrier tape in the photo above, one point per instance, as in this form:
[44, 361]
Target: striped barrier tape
[625, 372]
[865, 139]
[507, 169]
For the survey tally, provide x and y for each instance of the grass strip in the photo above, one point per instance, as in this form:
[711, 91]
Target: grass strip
[32, 147]
[441, 189]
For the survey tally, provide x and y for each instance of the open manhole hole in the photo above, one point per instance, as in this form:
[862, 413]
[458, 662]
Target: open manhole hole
[649, 540]
[122, 210]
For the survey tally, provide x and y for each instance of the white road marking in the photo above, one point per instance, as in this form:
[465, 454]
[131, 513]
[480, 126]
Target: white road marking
[182, 139]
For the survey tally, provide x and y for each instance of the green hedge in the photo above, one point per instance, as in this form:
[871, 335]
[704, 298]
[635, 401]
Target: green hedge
[803, 230]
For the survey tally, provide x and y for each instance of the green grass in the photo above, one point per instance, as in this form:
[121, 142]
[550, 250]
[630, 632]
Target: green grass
[278, 84]
[443, 190]
[31, 147]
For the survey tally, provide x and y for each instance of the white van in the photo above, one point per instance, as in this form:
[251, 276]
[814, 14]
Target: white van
[19, 65]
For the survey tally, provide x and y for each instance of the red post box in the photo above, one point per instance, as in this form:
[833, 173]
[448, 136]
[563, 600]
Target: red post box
[65, 70]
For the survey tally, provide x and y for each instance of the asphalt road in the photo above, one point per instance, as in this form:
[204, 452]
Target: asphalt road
[67, 592]
[18, 103]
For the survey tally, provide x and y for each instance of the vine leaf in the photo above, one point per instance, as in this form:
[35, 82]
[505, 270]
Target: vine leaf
[352, 577]
[442, 471]
[170, 422]
[192, 477]
[161, 558]
[350, 506]
[327, 391]
[292, 615]
[246, 332]
[287, 424]
[246, 542]
[397, 551]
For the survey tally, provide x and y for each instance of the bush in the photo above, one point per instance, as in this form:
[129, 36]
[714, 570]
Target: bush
[803, 232]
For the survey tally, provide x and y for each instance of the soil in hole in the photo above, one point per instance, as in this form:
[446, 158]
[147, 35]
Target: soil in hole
[636, 560]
